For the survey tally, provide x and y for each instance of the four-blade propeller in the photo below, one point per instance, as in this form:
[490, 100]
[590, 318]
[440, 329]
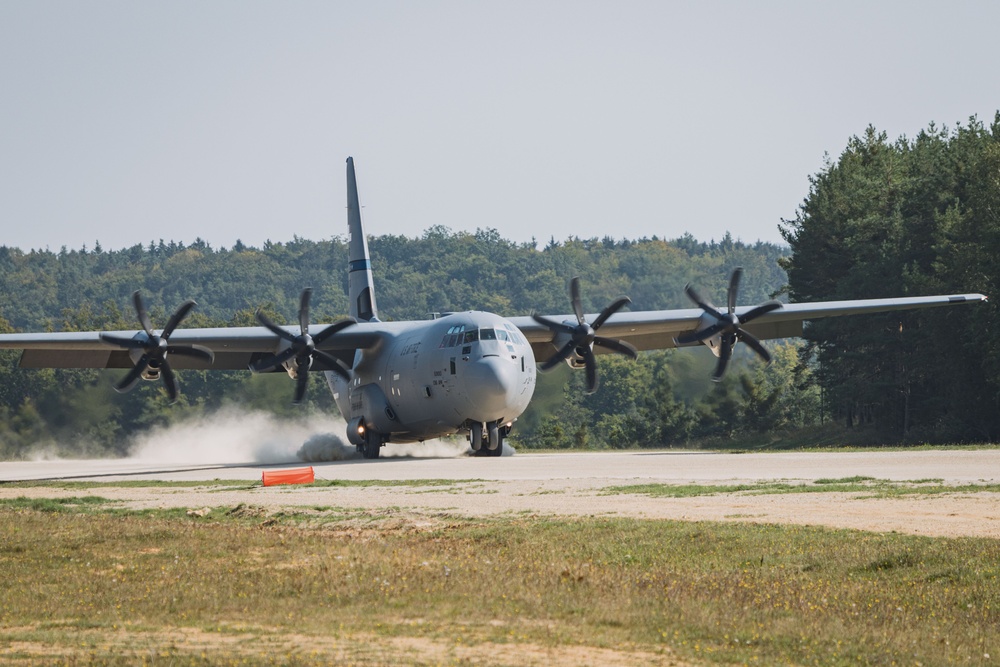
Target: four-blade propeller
[155, 348]
[302, 348]
[728, 325]
[583, 336]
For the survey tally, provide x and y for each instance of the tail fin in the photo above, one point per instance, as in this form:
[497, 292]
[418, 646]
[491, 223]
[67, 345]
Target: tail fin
[360, 285]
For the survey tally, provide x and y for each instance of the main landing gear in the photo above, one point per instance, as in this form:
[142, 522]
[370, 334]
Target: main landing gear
[487, 439]
[372, 445]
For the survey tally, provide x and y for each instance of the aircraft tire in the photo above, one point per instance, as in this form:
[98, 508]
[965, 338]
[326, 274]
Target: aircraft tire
[496, 441]
[496, 452]
[476, 436]
[372, 447]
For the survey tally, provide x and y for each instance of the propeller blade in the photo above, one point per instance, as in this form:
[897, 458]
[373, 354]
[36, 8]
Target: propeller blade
[574, 291]
[128, 343]
[609, 311]
[734, 288]
[133, 375]
[552, 324]
[762, 309]
[331, 330]
[178, 316]
[301, 382]
[196, 351]
[274, 328]
[591, 365]
[755, 345]
[169, 380]
[273, 361]
[724, 355]
[140, 311]
[559, 357]
[304, 299]
[618, 346]
[702, 303]
[335, 364]
[699, 336]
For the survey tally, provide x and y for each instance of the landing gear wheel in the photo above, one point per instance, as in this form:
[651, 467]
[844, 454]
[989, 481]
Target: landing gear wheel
[476, 436]
[495, 447]
[373, 445]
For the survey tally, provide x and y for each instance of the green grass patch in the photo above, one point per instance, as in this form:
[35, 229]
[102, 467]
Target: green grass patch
[54, 504]
[871, 487]
[95, 587]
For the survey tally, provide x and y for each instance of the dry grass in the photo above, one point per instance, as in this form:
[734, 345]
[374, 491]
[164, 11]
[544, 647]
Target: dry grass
[84, 583]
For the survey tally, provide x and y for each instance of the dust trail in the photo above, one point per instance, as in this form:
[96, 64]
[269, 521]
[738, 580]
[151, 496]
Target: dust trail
[233, 435]
[323, 447]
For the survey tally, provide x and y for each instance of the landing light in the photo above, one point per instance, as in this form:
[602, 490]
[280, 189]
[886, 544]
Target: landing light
[361, 429]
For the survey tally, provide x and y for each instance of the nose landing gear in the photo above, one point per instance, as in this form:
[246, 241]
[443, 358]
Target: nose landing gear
[487, 439]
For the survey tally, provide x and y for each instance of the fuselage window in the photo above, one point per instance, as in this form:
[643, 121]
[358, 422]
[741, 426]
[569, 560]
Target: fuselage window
[515, 334]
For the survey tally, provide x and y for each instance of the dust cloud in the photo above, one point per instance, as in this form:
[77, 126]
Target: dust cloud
[231, 435]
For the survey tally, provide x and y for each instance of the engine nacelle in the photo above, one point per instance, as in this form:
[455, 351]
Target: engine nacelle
[714, 343]
[574, 360]
[152, 371]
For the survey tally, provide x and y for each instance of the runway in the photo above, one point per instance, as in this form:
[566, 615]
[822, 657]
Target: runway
[572, 484]
[671, 466]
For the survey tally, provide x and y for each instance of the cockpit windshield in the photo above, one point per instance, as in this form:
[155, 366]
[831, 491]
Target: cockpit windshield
[458, 335]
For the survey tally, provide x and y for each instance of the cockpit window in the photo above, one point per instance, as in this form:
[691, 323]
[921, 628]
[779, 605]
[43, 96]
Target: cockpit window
[515, 334]
[455, 336]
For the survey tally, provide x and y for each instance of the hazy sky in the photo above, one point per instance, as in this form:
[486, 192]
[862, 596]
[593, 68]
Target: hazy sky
[126, 122]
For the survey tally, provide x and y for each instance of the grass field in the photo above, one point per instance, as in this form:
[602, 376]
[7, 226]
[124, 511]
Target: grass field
[87, 582]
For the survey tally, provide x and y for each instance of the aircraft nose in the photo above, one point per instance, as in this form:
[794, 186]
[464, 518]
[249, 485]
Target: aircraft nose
[491, 385]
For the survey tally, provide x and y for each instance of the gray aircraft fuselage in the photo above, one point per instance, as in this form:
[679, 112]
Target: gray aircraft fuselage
[432, 378]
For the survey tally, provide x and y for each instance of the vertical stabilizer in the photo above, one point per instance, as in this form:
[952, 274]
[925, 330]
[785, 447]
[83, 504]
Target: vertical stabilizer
[361, 288]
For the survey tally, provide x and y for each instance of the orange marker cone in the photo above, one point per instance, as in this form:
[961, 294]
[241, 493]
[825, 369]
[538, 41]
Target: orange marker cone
[294, 476]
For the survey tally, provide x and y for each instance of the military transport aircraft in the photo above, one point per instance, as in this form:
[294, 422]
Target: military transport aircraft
[471, 372]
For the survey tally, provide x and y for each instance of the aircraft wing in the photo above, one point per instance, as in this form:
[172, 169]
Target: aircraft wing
[234, 348]
[657, 329]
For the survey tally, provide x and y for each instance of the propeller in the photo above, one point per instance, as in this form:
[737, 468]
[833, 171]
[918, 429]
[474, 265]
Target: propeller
[302, 348]
[728, 325]
[583, 335]
[156, 348]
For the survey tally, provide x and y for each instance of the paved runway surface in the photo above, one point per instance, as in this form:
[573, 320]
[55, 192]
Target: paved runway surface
[952, 466]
